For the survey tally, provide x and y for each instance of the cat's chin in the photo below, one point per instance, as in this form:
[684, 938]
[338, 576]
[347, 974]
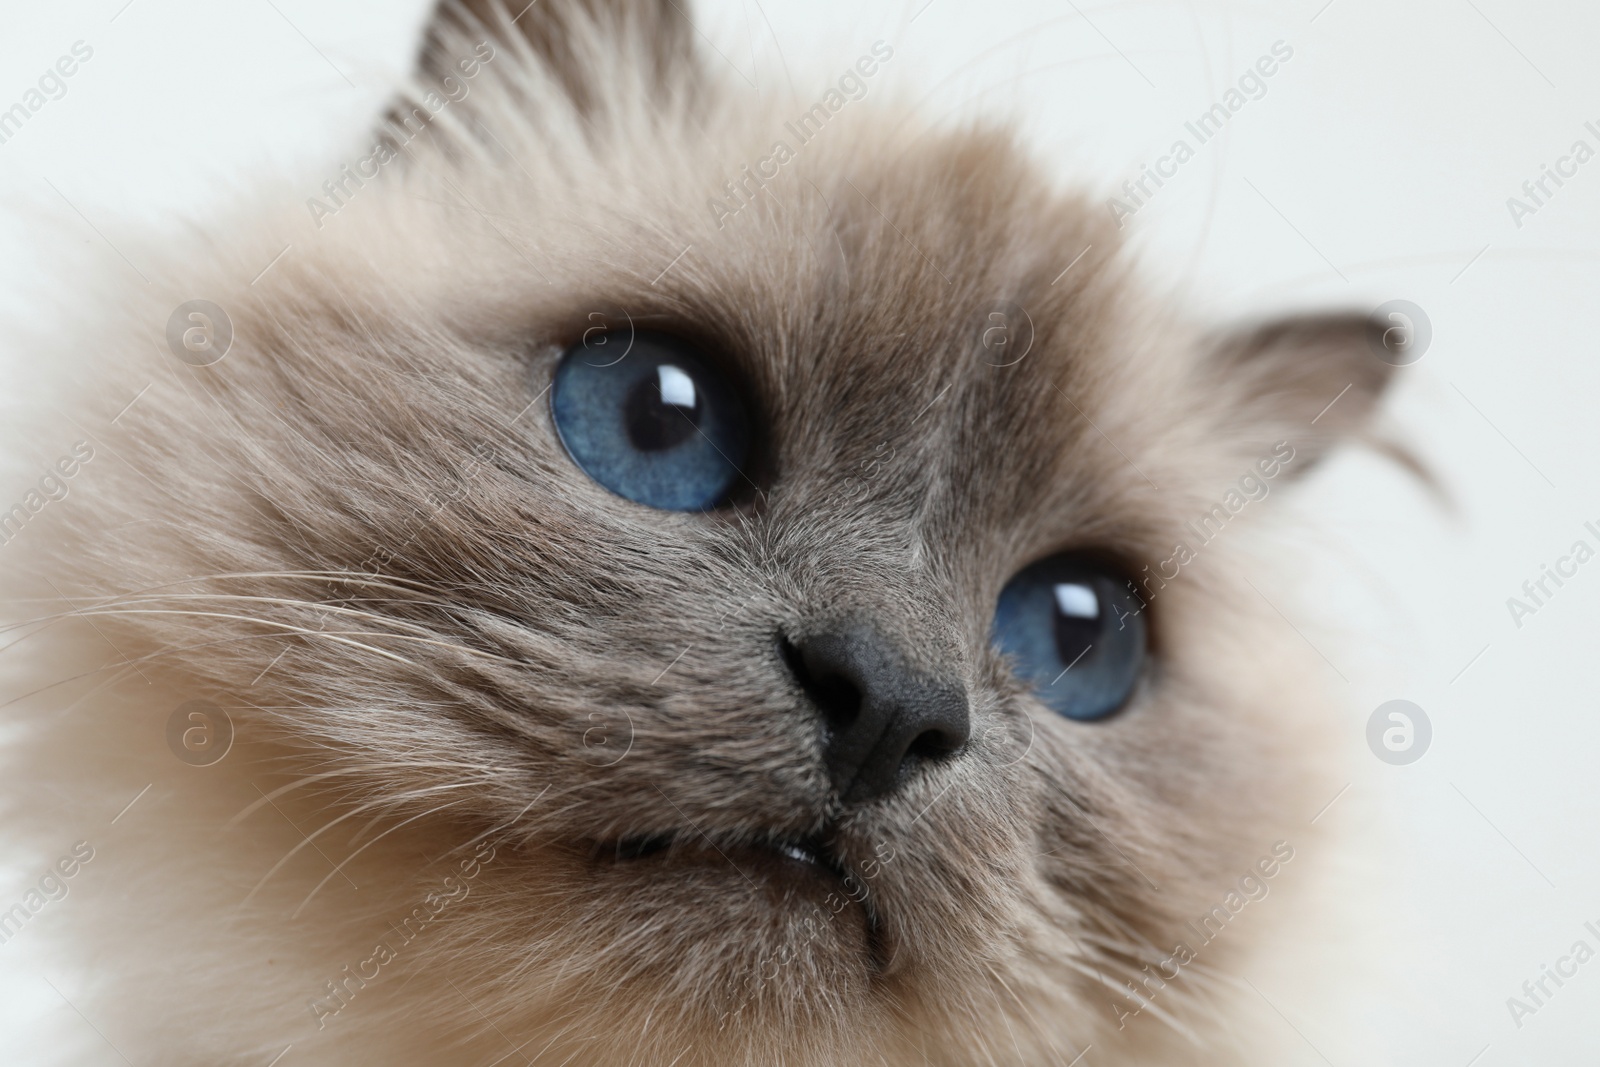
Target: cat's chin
[803, 883]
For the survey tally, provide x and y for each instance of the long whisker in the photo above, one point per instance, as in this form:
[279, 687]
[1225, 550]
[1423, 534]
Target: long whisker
[341, 608]
[342, 863]
[149, 656]
[499, 826]
[307, 839]
[303, 631]
[337, 634]
[345, 577]
[342, 637]
[267, 798]
[118, 664]
[143, 595]
[237, 639]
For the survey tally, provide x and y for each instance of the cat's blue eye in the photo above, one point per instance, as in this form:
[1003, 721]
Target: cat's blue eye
[657, 424]
[1075, 632]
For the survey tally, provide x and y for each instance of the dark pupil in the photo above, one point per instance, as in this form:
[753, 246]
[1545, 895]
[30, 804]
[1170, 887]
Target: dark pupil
[1077, 620]
[663, 410]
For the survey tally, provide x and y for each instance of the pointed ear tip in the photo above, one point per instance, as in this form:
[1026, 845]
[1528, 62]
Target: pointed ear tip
[1370, 356]
[1316, 377]
[1360, 346]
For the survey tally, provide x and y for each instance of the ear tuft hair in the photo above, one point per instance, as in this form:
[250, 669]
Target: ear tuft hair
[1313, 380]
[561, 35]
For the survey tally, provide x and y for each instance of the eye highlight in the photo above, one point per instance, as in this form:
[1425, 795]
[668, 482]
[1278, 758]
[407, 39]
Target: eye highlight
[1073, 630]
[659, 426]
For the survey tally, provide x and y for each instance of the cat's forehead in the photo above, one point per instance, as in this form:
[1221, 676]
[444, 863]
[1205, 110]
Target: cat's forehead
[937, 331]
[944, 321]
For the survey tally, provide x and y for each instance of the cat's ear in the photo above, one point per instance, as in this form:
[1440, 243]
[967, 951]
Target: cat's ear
[587, 46]
[1311, 381]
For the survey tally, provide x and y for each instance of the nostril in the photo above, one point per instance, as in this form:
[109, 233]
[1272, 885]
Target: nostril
[838, 698]
[935, 745]
[792, 658]
[880, 717]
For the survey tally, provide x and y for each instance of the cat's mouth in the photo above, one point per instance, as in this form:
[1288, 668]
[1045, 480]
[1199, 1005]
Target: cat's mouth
[787, 860]
[799, 873]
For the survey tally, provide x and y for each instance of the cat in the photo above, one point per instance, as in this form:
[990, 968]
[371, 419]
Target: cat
[657, 575]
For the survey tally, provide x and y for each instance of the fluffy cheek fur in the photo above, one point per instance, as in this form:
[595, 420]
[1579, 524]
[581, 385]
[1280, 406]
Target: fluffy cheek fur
[440, 642]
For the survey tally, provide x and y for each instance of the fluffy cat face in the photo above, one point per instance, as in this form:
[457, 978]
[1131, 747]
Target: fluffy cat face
[479, 635]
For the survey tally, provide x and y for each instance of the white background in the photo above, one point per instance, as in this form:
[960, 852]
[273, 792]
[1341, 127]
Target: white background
[1377, 166]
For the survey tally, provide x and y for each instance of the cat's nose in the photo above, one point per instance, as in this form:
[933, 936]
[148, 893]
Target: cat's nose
[882, 717]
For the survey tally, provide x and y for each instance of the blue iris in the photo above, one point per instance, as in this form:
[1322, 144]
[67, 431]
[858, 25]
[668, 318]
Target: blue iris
[1074, 631]
[658, 425]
